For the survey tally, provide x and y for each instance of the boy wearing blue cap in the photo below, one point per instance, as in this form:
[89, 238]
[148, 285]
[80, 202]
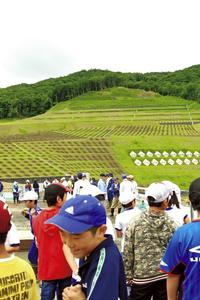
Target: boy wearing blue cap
[82, 224]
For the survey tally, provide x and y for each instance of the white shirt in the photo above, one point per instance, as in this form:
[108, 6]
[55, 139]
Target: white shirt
[177, 214]
[78, 185]
[122, 221]
[110, 229]
[12, 236]
[126, 186]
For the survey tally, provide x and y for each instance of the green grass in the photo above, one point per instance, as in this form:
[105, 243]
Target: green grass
[96, 133]
[182, 175]
[116, 98]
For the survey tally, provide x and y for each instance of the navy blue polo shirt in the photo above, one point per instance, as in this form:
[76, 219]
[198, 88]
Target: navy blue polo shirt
[102, 273]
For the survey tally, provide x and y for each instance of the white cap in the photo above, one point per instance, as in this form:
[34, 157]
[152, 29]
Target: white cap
[173, 188]
[63, 178]
[126, 198]
[30, 195]
[158, 191]
[92, 190]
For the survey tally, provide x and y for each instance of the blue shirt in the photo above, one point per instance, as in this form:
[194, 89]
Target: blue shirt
[102, 185]
[182, 256]
[102, 273]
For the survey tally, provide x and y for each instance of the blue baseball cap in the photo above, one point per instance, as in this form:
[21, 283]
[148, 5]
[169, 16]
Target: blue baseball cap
[79, 214]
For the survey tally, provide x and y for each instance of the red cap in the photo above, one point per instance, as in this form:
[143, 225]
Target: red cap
[5, 217]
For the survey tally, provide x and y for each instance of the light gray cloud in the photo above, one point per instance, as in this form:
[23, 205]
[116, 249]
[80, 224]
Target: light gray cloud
[42, 39]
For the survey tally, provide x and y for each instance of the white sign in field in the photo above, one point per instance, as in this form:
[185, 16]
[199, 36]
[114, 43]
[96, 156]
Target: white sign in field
[180, 157]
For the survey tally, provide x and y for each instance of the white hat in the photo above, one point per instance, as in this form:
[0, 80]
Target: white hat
[173, 188]
[126, 198]
[130, 177]
[62, 179]
[92, 190]
[158, 191]
[30, 195]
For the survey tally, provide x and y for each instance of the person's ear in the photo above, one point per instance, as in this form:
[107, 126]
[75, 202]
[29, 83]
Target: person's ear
[59, 201]
[102, 230]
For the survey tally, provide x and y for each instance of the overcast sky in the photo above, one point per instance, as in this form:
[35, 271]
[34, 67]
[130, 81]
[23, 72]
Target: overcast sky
[52, 38]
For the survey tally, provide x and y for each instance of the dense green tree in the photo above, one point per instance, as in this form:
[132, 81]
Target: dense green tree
[25, 100]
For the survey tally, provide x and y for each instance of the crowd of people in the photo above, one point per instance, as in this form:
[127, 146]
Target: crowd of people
[75, 253]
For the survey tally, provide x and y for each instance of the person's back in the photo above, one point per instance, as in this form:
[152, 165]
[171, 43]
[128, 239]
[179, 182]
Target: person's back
[146, 239]
[185, 244]
[53, 268]
[48, 237]
[16, 275]
[126, 186]
[130, 211]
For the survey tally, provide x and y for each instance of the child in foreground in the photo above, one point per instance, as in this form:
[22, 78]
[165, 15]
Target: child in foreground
[16, 275]
[81, 221]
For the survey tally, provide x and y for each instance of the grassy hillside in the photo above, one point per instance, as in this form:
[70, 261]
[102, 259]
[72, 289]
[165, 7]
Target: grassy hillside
[96, 133]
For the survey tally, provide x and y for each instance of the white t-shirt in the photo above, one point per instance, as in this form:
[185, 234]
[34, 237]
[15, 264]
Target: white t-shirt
[122, 221]
[177, 214]
[110, 229]
[78, 185]
[12, 236]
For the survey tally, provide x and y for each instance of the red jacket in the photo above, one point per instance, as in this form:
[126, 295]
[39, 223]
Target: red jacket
[51, 260]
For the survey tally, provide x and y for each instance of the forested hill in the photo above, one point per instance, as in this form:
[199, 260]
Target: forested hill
[31, 99]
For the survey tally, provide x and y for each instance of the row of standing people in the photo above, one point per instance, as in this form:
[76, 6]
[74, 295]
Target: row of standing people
[148, 232]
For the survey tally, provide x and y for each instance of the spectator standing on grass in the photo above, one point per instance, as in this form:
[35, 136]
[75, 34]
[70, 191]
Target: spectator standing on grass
[115, 202]
[16, 191]
[181, 260]
[1, 188]
[146, 239]
[32, 210]
[46, 183]
[36, 187]
[53, 269]
[102, 183]
[110, 188]
[27, 186]
[128, 202]
[79, 184]
[16, 275]
[81, 222]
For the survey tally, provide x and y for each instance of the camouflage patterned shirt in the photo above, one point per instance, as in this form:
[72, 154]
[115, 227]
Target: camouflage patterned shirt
[146, 239]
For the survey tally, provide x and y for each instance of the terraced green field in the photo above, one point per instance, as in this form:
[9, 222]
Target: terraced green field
[96, 133]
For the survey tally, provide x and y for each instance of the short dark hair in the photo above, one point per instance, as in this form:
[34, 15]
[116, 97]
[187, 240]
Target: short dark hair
[100, 197]
[52, 192]
[151, 202]
[3, 237]
[128, 204]
[102, 175]
[79, 175]
[194, 194]
[194, 198]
